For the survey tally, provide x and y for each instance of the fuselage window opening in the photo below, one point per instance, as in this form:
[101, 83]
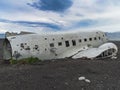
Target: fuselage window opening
[36, 47]
[90, 39]
[103, 35]
[99, 38]
[67, 43]
[95, 38]
[85, 40]
[80, 40]
[45, 49]
[74, 42]
[59, 43]
[51, 44]
[22, 45]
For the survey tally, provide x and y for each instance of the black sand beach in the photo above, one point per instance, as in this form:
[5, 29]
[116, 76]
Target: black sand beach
[62, 74]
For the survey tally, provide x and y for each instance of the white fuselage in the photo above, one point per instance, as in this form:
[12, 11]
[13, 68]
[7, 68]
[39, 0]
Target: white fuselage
[54, 46]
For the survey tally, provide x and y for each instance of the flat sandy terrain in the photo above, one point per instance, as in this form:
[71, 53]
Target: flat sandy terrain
[62, 75]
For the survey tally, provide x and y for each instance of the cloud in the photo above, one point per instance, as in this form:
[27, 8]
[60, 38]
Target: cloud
[33, 24]
[13, 27]
[38, 24]
[52, 5]
[86, 23]
[59, 15]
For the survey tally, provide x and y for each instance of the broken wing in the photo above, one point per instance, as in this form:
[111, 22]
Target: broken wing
[105, 50]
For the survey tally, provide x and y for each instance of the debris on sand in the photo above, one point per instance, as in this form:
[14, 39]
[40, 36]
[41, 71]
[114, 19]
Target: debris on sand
[87, 80]
[81, 78]
[113, 57]
[84, 79]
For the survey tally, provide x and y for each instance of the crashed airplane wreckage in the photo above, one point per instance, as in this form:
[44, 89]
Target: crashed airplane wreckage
[74, 45]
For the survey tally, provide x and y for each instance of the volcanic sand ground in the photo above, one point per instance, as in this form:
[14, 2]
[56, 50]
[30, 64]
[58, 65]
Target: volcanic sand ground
[62, 74]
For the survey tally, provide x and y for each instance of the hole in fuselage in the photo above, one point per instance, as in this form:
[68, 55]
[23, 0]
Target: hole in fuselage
[7, 50]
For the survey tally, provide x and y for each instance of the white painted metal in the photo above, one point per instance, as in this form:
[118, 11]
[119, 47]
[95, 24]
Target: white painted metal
[94, 52]
[58, 45]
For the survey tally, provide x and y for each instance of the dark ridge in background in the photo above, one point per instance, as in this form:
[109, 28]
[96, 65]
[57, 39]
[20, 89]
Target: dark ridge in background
[114, 36]
[2, 36]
